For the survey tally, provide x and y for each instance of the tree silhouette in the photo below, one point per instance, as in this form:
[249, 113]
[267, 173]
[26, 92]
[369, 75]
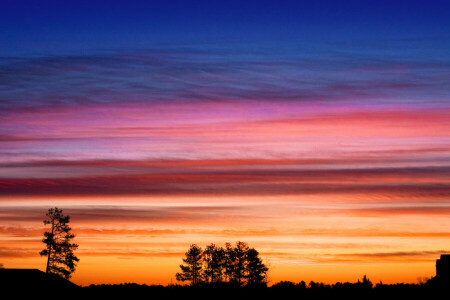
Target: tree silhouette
[240, 263]
[365, 283]
[213, 258]
[229, 262]
[192, 270]
[59, 248]
[256, 270]
[236, 266]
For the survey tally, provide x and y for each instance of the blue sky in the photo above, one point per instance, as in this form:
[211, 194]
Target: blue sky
[39, 27]
[79, 52]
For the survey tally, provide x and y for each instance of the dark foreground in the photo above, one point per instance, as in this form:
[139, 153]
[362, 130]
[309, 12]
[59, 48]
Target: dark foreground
[34, 283]
[131, 291]
[399, 292]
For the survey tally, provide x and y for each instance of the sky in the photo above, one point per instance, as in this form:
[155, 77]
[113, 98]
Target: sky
[316, 131]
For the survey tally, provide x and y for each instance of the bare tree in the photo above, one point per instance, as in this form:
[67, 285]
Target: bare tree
[59, 248]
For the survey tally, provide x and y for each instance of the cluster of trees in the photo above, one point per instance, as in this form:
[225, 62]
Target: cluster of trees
[236, 266]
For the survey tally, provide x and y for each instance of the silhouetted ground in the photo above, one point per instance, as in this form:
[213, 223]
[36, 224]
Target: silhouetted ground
[34, 282]
[399, 291]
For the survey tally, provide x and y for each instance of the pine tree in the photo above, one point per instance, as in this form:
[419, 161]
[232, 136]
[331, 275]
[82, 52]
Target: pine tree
[192, 269]
[256, 269]
[59, 248]
[240, 262]
[213, 258]
[229, 262]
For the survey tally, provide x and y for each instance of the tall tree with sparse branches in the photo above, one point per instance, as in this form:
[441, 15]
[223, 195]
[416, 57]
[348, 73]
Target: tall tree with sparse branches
[59, 247]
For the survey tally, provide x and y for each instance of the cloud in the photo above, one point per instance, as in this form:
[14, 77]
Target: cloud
[399, 256]
[18, 231]
[22, 252]
[396, 254]
[193, 74]
[127, 214]
[18, 252]
[402, 210]
[235, 179]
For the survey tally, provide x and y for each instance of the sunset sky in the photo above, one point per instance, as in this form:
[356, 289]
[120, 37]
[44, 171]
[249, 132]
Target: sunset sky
[316, 131]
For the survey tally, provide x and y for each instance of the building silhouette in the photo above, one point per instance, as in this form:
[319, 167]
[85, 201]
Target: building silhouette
[443, 267]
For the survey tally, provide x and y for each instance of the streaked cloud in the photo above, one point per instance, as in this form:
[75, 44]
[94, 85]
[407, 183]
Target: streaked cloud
[232, 179]
[197, 73]
[111, 213]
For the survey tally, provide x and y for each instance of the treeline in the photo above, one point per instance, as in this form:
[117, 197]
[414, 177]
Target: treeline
[219, 266]
[363, 289]
[364, 283]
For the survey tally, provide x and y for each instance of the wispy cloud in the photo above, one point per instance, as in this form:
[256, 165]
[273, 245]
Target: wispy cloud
[111, 213]
[370, 257]
[195, 74]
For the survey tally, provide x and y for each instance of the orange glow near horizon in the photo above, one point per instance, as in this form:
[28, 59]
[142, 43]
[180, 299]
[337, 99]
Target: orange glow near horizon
[115, 270]
[317, 238]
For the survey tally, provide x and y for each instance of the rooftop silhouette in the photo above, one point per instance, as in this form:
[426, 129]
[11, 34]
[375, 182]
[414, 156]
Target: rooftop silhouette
[33, 279]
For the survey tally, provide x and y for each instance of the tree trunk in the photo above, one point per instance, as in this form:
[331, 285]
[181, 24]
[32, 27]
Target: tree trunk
[50, 248]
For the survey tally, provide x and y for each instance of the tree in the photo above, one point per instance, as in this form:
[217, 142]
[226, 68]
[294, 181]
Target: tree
[256, 270]
[213, 258]
[59, 248]
[240, 263]
[229, 262]
[365, 283]
[192, 269]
